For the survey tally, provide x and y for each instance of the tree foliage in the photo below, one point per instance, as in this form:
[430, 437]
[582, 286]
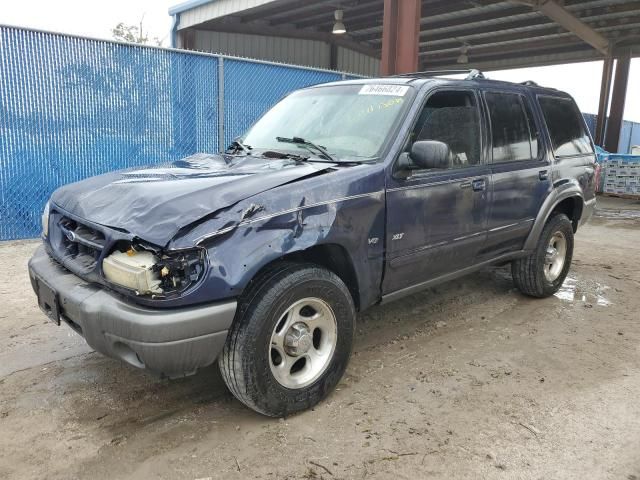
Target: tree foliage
[134, 34]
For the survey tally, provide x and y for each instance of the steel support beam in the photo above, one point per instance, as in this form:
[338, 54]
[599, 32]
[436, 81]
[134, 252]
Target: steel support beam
[618, 98]
[561, 16]
[333, 56]
[603, 106]
[400, 36]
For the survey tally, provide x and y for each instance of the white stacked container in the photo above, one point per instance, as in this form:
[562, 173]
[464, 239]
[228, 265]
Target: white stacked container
[621, 174]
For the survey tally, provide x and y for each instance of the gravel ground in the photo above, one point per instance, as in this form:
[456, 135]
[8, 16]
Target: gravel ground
[466, 380]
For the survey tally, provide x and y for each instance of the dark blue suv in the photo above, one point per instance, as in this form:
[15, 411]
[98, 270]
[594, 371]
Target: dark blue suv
[341, 197]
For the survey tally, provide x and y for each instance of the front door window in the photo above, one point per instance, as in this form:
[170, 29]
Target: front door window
[452, 117]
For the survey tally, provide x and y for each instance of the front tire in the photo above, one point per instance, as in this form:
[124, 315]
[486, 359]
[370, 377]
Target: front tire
[543, 272]
[290, 342]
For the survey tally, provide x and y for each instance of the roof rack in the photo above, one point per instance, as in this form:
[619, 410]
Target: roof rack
[472, 74]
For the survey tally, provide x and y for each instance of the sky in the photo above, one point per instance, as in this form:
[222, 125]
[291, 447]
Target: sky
[90, 18]
[96, 19]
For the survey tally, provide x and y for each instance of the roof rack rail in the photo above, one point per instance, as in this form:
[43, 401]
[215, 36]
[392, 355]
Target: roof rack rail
[472, 74]
[529, 83]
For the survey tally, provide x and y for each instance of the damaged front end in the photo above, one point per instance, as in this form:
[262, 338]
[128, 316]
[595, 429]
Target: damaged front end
[144, 270]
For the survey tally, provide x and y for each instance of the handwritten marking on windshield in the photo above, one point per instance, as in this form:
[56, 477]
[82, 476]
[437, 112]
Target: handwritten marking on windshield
[389, 90]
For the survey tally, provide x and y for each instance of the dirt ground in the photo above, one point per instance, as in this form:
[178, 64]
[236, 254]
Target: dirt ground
[467, 380]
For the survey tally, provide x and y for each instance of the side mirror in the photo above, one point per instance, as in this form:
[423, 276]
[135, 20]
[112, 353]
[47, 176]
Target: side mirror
[428, 154]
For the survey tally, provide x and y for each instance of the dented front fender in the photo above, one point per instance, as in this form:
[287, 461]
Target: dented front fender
[345, 208]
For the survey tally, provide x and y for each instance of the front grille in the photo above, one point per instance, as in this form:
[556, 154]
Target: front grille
[80, 244]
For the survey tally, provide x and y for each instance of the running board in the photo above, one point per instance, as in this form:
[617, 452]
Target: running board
[390, 297]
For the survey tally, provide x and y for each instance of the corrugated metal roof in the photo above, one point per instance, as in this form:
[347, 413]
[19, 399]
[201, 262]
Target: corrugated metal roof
[494, 33]
[184, 6]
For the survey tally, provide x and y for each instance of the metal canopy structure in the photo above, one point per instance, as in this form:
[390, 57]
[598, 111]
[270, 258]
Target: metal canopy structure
[411, 35]
[494, 34]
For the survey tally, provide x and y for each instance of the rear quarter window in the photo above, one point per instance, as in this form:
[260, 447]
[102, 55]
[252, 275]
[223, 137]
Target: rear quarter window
[566, 127]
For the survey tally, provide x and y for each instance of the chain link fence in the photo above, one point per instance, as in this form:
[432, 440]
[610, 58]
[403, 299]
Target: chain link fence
[72, 107]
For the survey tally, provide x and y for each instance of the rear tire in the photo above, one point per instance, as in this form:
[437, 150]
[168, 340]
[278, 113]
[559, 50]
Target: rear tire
[542, 273]
[290, 342]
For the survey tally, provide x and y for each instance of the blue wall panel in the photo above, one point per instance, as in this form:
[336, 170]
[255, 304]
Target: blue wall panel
[590, 119]
[629, 133]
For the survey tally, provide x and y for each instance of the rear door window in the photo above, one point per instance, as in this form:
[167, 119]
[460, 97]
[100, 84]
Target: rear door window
[565, 125]
[513, 134]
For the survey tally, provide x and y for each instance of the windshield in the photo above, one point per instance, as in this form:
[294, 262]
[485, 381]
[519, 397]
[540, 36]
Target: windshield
[348, 121]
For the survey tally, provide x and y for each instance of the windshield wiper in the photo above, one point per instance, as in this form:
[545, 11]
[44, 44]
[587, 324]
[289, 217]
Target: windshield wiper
[292, 156]
[281, 155]
[238, 145]
[309, 145]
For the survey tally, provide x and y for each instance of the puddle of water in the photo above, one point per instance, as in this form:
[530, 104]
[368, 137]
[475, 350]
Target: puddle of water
[593, 293]
[618, 214]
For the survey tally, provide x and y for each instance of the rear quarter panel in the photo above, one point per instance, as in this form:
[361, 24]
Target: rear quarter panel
[572, 176]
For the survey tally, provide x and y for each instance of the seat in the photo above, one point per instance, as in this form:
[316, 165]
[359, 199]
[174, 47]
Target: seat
[458, 128]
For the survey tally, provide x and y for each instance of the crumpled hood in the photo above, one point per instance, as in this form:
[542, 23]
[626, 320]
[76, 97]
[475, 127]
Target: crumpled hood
[155, 202]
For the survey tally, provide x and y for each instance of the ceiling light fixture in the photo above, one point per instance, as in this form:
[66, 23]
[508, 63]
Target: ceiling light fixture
[463, 57]
[338, 26]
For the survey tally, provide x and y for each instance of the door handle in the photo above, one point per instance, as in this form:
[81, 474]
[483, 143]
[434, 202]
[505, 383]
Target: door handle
[543, 175]
[478, 184]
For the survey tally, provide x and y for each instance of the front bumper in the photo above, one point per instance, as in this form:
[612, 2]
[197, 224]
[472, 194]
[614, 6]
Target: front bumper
[169, 342]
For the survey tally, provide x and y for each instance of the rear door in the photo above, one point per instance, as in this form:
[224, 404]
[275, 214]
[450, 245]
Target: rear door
[520, 171]
[436, 219]
[574, 156]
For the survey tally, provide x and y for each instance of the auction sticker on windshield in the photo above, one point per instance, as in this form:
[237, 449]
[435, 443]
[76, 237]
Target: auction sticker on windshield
[391, 90]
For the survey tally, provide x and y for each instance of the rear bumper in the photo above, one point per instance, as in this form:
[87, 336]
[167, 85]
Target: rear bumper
[169, 342]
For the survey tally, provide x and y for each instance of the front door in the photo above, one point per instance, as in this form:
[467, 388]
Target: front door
[436, 219]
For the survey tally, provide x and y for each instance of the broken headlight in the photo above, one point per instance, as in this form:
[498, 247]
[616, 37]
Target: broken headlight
[153, 272]
[179, 270]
